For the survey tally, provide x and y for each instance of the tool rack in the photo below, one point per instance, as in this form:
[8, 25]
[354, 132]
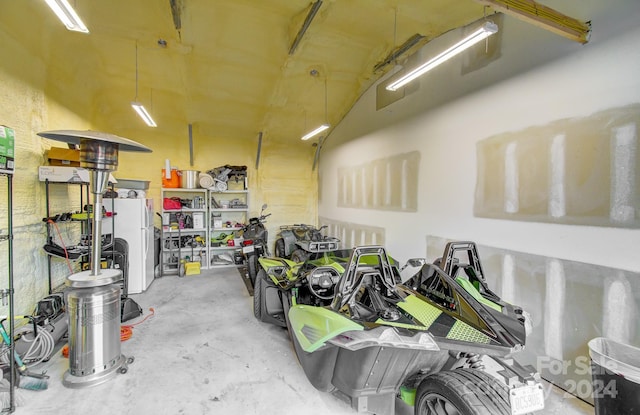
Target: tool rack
[7, 293]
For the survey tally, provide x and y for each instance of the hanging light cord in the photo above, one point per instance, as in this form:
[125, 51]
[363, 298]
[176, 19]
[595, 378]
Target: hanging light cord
[136, 98]
[326, 119]
[395, 34]
[486, 41]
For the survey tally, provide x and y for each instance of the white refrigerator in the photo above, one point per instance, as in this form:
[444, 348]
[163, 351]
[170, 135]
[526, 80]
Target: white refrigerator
[133, 221]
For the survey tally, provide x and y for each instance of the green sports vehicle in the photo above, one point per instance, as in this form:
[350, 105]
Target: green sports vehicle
[432, 335]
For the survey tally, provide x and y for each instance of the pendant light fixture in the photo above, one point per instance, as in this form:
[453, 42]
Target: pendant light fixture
[67, 15]
[317, 131]
[137, 106]
[326, 125]
[486, 30]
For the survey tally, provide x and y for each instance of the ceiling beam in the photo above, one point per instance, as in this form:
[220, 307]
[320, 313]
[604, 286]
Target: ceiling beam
[401, 50]
[176, 13]
[543, 17]
[307, 22]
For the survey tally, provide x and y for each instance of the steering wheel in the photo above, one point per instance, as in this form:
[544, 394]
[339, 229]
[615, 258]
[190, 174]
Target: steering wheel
[322, 282]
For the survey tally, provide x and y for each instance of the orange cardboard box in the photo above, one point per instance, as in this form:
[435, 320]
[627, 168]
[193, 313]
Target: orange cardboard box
[63, 157]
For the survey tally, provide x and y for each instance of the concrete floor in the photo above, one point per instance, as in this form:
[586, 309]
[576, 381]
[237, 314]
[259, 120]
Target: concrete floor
[203, 352]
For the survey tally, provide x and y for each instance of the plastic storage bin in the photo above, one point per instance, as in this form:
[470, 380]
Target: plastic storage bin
[615, 369]
[173, 181]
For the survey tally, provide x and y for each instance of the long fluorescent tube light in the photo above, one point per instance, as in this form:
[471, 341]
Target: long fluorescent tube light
[316, 131]
[67, 15]
[142, 112]
[486, 30]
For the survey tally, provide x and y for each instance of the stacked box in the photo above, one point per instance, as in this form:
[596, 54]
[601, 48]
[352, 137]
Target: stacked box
[63, 157]
[64, 174]
[198, 220]
[7, 148]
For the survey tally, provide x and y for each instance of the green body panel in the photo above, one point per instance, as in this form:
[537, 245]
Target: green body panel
[275, 262]
[327, 261]
[408, 395]
[471, 289]
[374, 260]
[464, 332]
[290, 266]
[426, 314]
[313, 326]
[422, 311]
[401, 325]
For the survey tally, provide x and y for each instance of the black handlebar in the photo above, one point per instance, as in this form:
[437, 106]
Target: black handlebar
[260, 219]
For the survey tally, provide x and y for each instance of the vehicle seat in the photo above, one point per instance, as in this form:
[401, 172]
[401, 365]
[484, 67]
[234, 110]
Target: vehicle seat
[471, 284]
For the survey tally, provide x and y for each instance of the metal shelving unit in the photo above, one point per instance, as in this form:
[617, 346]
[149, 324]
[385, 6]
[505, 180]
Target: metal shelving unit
[173, 247]
[222, 208]
[7, 294]
[84, 224]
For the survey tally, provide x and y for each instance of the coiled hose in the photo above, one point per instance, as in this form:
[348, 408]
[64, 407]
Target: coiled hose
[40, 347]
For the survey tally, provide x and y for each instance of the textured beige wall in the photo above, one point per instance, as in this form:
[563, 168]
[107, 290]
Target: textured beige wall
[284, 179]
[25, 108]
[36, 97]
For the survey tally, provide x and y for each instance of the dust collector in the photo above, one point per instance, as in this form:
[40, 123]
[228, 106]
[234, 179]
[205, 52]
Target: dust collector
[93, 296]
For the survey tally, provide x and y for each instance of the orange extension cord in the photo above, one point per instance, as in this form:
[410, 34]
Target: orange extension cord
[66, 254]
[126, 331]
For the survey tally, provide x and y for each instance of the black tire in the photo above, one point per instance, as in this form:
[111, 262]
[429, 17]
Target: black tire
[279, 250]
[462, 391]
[257, 294]
[299, 255]
[252, 269]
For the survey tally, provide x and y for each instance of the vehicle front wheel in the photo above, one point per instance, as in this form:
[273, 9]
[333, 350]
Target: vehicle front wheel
[257, 294]
[252, 268]
[461, 392]
[279, 249]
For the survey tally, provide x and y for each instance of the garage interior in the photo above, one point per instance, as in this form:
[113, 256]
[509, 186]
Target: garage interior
[526, 144]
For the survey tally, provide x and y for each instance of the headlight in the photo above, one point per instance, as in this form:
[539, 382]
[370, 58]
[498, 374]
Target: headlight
[277, 272]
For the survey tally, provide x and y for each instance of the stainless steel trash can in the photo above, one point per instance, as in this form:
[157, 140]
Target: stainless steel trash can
[615, 370]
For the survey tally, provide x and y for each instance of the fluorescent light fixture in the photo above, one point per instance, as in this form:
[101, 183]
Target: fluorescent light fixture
[67, 15]
[316, 131]
[544, 17]
[142, 112]
[486, 30]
